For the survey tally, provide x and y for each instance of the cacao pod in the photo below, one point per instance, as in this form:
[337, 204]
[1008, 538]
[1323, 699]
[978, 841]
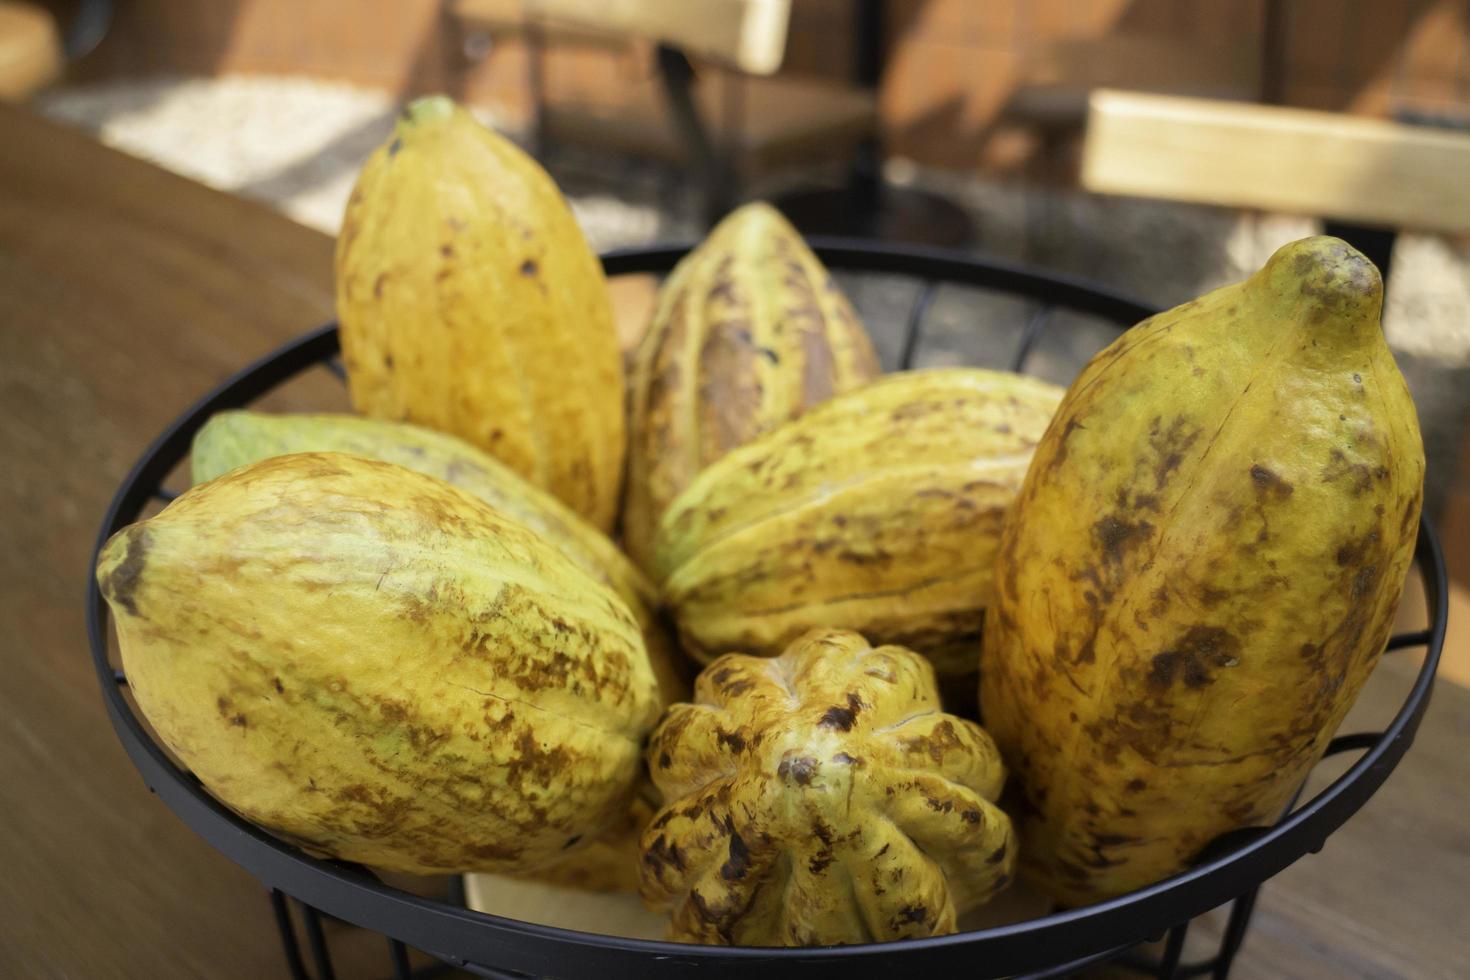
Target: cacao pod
[607, 863]
[1202, 569]
[822, 797]
[380, 667]
[471, 303]
[235, 438]
[749, 331]
[878, 511]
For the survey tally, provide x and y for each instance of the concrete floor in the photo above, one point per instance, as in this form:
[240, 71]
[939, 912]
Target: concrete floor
[296, 144]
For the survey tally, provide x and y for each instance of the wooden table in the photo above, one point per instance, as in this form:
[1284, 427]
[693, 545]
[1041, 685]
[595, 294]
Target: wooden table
[124, 293]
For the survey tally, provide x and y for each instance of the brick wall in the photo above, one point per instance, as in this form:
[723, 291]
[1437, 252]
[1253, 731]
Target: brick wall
[958, 69]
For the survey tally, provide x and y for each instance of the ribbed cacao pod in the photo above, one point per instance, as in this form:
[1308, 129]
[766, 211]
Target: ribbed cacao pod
[822, 797]
[879, 511]
[749, 331]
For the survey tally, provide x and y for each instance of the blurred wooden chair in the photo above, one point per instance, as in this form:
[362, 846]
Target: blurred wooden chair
[1051, 99]
[729, 120]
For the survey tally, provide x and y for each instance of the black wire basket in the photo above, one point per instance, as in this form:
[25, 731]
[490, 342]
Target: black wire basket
[487, 945]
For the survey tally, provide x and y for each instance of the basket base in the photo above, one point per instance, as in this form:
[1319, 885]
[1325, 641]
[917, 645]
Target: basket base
[605, 913]
[623, 913]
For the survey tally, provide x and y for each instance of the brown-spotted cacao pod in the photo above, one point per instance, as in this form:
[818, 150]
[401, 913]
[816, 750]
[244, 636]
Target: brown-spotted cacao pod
[879, 511]
[610, 861]
[1201, 571]
[470, 302]
[381, 667]
[236, 438]
[822, 797]
[749, 331]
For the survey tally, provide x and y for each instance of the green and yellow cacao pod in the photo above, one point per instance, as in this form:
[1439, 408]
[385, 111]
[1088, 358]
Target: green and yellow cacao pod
[748, 332]
[381, 667]
[236, 438]
[878, 511]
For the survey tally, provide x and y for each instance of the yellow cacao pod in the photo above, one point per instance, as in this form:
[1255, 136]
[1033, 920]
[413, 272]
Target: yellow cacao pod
[381, 667]
[471, 303]
[1202, 570]
[822, 797]
[235, 438]
[878, 511]
[749, 331]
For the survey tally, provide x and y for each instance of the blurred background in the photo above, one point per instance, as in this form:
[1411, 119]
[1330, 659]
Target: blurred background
[1161, 147]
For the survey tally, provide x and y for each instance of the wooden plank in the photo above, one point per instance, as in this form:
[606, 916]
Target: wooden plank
[125, 292]
[1289, 160]
[1064, 72]
[517, 18]
[749, 34]
[781, 120]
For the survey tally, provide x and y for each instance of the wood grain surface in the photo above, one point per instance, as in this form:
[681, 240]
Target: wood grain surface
[1294, 161]
[125, 292]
